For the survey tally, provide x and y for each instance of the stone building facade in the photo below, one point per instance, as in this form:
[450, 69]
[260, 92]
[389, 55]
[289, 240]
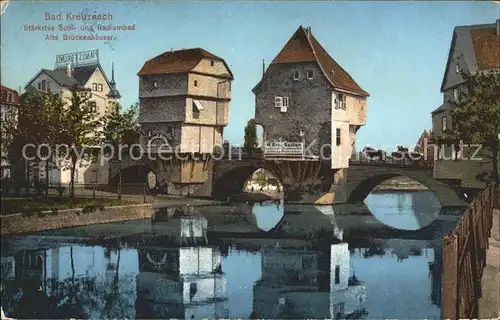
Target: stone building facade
[305, 97]
[184, 101]
[474, 49]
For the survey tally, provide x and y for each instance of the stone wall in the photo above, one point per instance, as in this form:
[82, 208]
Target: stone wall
[309, 107]
[22, 223]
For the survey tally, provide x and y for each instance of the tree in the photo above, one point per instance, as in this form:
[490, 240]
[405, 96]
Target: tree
[39, 120]
[250, 136]
[476, 115]
[121, 129]
[83, 132]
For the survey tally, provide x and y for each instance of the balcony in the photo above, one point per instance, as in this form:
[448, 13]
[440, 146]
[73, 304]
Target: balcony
[284, 148]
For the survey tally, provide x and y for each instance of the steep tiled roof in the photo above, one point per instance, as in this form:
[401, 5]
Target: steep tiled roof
[487, 47]
[3, 96]
[177, 61]
[442, 108]
[305, 48]
[60, 76]
[82, 74]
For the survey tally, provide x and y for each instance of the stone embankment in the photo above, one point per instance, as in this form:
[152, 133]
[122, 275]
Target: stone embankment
[21, 223]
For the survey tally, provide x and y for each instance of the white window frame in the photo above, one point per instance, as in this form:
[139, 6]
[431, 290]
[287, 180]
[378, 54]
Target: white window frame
[340, 101]
[456, 94]
[457, 68]
[94, 86]
[101, 88]
[93, 106]
[310, 72]
[286, 102]
[278, 102]
[444, 123]
[296, 75]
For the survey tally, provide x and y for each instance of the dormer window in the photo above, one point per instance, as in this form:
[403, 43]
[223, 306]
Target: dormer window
[310, 74]
[296, 75]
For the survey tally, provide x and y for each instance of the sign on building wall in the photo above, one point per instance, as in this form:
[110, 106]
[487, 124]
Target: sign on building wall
[77, 58]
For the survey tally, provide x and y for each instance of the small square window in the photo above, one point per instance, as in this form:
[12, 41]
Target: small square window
[212, 63]
[310, 74]
[195, 83]
[296, 75]
[278, 102]
[196, 111]
[93, 106]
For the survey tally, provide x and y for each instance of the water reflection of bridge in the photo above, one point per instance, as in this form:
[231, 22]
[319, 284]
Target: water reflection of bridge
[174, 267]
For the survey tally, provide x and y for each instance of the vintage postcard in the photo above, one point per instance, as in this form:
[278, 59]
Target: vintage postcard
[250, 159]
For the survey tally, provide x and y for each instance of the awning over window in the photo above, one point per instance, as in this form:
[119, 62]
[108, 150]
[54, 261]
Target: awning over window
[198, 105]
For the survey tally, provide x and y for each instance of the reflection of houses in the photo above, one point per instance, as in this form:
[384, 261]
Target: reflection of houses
[186, 281]
[83, 278]
[292, 284]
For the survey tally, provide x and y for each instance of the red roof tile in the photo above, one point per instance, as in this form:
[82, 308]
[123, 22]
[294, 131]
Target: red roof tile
[487, 47]
[176, 61]
[301, 48]
[3, 96]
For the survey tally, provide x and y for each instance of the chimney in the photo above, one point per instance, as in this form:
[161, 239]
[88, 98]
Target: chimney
[68, 70]
[498, 27]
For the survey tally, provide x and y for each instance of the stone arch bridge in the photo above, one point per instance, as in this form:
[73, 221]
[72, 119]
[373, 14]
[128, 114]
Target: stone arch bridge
[304, 181]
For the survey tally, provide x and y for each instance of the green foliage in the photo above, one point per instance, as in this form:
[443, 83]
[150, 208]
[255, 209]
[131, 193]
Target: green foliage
[476, 116]
[250, 136]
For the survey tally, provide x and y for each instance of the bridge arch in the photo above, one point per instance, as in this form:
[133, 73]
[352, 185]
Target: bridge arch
[233, 181]
[362, 180]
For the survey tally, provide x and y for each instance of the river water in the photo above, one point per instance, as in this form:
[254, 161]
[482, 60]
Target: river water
[245, 261]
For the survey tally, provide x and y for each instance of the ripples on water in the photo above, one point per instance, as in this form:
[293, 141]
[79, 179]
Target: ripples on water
[260, 262]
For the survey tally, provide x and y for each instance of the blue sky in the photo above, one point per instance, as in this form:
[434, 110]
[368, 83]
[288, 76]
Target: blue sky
[396, 51]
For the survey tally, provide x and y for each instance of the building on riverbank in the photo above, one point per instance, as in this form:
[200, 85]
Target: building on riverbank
[474, 49]
[81, 71]
[184, 102]
[306, 98]
[9, 100]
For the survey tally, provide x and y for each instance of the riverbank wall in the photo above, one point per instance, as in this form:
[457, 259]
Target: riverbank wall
[22, 223]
